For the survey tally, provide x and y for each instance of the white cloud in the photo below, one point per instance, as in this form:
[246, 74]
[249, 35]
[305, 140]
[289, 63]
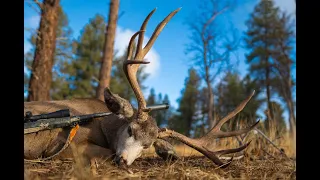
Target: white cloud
[121, 42]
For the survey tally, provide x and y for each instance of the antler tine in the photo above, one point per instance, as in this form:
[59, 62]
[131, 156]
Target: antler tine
[201, 144]
[131, 76]
[130, 67]
[131, 42]
[195, 144]
[158, 30]
[229, 151]
[240, 107]
[143, 28]
[215, 132]
[221, 134]
[141, 52]
[129, 55]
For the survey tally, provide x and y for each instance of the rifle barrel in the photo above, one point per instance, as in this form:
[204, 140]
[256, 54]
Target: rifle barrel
[158, 107]
[47, 124]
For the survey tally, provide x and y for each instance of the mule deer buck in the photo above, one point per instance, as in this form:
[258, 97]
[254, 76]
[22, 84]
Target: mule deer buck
[127, 131]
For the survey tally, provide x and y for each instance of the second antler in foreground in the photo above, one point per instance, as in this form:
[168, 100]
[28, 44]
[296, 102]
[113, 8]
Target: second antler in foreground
[200, 144]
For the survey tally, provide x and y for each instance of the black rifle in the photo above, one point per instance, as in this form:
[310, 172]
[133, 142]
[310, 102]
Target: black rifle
[62, 118]
[56, 119]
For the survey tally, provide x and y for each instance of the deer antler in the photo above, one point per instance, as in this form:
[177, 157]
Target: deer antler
[201, 144]
[130, 66]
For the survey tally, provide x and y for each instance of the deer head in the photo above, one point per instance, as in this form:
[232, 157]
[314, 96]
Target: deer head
[142, 131]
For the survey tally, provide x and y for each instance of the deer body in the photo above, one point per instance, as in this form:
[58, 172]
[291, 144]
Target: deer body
[97, 132]
[100, 138]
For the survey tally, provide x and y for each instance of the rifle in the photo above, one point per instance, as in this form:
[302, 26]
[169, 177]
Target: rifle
[62, 118]
[56, 119]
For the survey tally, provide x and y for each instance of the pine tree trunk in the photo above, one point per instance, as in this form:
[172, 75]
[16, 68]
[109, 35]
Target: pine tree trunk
[272, 122]
[188, 128]
[268, 89]
[106, 63]
[290, 105]
[292, 117]
[41, 76]
[211, 112]
[211, 121]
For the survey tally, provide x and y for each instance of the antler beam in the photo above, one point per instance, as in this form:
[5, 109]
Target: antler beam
[130, 66]
[201, 144]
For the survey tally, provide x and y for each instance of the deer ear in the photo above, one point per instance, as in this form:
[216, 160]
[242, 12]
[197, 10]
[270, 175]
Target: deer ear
[117, 104]
[111, 101]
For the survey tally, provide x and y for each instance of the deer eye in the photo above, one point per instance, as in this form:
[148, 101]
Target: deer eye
[129, 131]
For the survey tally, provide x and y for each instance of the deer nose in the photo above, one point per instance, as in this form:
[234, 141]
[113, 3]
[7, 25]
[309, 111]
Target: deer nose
[120, 160]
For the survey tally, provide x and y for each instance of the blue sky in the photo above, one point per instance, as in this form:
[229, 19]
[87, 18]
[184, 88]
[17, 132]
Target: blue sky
[169, 63]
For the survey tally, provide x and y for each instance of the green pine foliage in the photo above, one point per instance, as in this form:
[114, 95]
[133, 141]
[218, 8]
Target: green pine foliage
[84, 70]
[232, 91]
[187, 110]
[260, 41]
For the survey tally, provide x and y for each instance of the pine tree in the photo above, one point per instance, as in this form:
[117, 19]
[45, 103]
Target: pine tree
[41, 74]
[182, 122]
[232, 91]
[159, 115]
[167, 114]
[284, 61]
[260, 41]
[63, 54]
[211, 48]
[84, 70]
[151, 100]
[162, 117]
[200, 126]
[106, 61]
[278, 117]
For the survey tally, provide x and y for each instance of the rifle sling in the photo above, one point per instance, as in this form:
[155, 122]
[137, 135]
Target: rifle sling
[71, 135]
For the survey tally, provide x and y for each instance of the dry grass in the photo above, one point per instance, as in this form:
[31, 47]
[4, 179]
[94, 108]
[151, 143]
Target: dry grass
[256, 164]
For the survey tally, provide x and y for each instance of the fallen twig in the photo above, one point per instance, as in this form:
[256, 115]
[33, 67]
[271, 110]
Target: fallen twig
[274, 145]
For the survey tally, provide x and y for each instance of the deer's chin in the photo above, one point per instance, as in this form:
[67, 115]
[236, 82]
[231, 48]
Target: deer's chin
[130, 150]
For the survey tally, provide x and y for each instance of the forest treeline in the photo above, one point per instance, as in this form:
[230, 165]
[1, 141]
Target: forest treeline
[75, 67]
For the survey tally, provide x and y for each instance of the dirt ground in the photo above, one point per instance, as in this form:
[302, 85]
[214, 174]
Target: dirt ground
[191, 167]
[259, 162]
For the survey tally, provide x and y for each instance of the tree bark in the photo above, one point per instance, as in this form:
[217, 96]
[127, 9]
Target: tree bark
[270, 117]
[41, 75]
[106, 63]
[211, 121]
[290, 106]
[188, 128]
[288, 92]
